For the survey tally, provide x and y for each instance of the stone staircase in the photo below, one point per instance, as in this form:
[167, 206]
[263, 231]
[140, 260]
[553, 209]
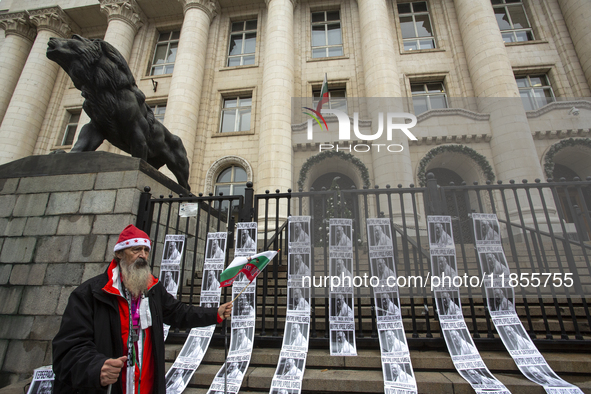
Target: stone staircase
[433, 367]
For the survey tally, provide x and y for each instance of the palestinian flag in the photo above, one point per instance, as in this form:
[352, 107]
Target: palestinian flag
[250, 266]
[323, 94]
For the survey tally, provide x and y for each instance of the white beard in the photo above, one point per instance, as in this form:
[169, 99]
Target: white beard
[135, 276]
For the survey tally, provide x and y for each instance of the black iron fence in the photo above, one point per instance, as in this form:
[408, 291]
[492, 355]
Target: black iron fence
[545, 231]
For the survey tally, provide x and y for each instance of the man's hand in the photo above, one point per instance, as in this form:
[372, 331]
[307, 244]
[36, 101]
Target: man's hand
[111, 370]
[225, 310]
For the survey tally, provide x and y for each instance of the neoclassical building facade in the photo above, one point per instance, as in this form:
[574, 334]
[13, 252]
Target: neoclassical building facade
[500, 88]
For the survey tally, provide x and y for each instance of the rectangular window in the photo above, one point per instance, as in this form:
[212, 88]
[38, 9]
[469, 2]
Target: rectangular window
[236, 114]
[165, 53]
[535, 91]
[159, 111]
[337, 99]
[427, 96]
[415, 25]
[70, 130]
[512, 20]
[327, 39]
[243, 39]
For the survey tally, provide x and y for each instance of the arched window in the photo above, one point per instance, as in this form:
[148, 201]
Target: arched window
[231, 181]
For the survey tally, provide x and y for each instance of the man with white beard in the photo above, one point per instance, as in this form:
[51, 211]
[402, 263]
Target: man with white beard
[112, 327]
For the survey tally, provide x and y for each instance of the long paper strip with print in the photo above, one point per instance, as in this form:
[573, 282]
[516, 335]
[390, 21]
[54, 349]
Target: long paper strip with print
[464, 354]
[194, 349]
[501, 303]
[341, 301]
[294, 350]
[396, 365]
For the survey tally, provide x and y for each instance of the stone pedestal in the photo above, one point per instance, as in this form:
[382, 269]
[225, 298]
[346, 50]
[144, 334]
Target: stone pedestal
[60, 216]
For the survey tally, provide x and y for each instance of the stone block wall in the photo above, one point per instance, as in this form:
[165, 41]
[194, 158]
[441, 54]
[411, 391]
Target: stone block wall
[60, 216]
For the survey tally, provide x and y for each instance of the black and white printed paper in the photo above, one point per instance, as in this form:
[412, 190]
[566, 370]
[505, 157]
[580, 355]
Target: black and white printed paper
[501, 304]
[396, 364]
[341, 301]
[292, 358]
[460, 345]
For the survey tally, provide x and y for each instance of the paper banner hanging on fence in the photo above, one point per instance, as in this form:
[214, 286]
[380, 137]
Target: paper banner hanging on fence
[194, 349]
[294, 350]
[170, 266]
[396, 364]
[464, 354]
[500, 298]
[42, 382]
[341, 301]
[229, 377]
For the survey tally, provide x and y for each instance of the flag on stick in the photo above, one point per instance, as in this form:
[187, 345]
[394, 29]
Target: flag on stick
[250, 266]
[323, 94]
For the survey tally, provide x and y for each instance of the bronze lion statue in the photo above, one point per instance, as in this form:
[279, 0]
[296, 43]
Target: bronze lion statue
[115, 105]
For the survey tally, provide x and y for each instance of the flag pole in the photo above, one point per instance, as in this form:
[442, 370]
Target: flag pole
[241, 292]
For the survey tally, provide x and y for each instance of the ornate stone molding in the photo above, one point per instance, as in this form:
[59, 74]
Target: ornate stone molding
[127, 11]
[54, 19]
[222, 164]
[558, 105]
[293, 2]
[211, 8]
[451, 112]
[18, 24]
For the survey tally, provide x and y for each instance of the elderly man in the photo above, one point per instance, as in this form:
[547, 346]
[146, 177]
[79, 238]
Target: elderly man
[343, 309]
[389, 307]
[112, 327]
[392, 343]
[242, 341]
[299, 302]
[297, 338]
[462, 347]
[488, 231]
[495, 266]
[449, 306]
[501, 302]
[380, 237]
[442, 238]
[216, 251]
[300, 234]
[247, 241]
[342, 239]
[213, 283]
[384, 272]
[291, 368]
[399, 375]
[299, 267]
[343, 346]
[445, 268]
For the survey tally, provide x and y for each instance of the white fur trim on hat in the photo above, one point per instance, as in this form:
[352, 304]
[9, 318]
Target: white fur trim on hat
[133, 242]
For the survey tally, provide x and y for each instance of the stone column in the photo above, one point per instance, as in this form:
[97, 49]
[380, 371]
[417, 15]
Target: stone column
[382, 80]
[20, 35]
[26, 111]
[513, 150]
[184, 97]
[275, 150]
[125, 19]
[577, 15]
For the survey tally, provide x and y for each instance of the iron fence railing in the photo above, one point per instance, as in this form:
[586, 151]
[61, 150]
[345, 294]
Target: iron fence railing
[546, 228]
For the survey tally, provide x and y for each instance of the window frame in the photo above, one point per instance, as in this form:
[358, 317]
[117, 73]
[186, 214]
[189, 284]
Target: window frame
[157, 106]
[331, 89]
[416, 38]
[244, 32]
[157, 41]
[513, 31]
[427, 94]
[326, 22]
[238, 95]
[532, 89]
[67, 126]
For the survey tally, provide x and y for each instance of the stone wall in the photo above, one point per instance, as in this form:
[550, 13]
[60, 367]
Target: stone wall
[60, 216]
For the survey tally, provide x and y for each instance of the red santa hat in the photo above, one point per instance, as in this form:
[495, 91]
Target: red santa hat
[132, 236]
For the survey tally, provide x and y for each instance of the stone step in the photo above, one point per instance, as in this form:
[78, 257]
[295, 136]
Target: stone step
[434, 372]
